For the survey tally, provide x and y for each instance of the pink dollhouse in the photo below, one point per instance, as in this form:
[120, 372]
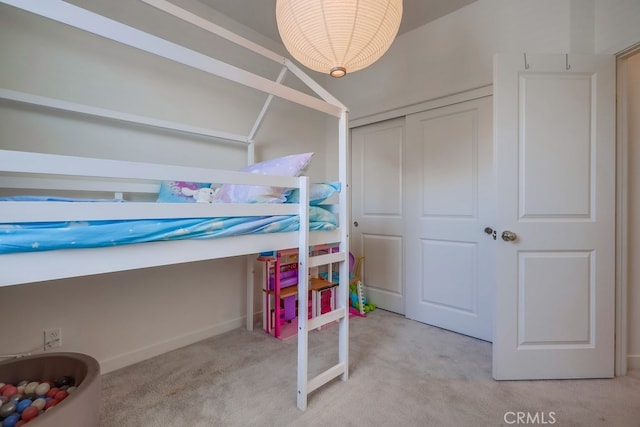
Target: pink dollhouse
[280, 290]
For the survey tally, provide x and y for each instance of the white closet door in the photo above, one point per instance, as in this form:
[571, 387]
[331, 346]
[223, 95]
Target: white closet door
[450, 200]
[555, 157]
[377, 210]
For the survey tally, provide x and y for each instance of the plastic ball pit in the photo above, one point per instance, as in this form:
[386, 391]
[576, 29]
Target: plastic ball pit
[82, 407]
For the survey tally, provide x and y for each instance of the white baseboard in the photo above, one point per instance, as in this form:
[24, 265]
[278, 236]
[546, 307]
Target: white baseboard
[140, 354]
[633, 361]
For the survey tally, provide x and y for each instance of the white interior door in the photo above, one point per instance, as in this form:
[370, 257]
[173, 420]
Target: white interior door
[377, 210]
[555, 156]
[450, 201]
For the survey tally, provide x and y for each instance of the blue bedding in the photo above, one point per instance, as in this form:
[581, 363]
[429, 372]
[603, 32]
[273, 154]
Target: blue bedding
[45, 236]
[56, 199]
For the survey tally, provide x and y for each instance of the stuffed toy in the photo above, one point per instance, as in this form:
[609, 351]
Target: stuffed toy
[201, 195]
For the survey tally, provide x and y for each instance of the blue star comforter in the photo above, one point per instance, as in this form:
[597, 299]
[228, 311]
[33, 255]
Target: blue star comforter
[45, 236]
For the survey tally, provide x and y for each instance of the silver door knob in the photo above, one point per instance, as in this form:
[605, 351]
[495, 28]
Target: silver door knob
[509, 236]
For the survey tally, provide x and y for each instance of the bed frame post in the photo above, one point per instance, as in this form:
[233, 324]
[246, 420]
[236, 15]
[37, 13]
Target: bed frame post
[251, 153]
[250, 290]
[345, 222]
[303, 294]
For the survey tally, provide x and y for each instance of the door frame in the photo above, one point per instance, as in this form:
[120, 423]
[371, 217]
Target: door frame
[622, 143]
[622, 202]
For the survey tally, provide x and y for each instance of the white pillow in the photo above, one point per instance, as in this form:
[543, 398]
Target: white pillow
[292, 165]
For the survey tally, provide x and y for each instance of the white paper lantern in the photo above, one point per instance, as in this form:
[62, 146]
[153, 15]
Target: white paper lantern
[338, 36]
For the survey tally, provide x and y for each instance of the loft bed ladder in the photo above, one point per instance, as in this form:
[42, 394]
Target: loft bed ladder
[340, 313]
[77, 17]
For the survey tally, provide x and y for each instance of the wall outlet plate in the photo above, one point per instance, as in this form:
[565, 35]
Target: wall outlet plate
[52, 338]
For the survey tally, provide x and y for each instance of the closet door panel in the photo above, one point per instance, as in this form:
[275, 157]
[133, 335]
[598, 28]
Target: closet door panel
[450, 262]
[377, 229]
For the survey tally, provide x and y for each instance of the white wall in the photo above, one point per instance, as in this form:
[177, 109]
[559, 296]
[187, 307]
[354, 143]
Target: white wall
[616, 25]
[122, 318]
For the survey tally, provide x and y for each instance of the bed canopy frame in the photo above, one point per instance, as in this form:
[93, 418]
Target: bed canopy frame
[24, 170]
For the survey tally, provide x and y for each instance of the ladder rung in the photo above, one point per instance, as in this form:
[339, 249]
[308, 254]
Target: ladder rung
[325, 377]
[324, 319]
[324, 259]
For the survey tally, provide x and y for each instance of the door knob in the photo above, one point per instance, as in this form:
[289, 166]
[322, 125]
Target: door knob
[355, 223]
[509, 236]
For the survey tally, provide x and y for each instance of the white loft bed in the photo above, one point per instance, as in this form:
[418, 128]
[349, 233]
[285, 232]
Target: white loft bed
[37, 171]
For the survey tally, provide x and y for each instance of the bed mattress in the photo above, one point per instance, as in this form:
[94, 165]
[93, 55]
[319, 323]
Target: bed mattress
[46, 236]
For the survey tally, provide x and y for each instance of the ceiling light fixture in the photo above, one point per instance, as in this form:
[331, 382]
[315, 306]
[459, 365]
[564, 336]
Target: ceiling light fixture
[338, 36]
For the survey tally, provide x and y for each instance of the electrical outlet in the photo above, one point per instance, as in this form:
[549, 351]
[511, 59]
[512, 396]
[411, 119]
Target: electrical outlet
[52, 338]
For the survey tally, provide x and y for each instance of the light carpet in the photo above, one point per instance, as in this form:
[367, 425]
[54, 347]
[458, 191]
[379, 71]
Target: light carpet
[402, 373]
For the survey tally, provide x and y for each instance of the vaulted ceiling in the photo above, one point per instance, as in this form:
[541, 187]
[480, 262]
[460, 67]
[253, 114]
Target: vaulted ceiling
[260, 15]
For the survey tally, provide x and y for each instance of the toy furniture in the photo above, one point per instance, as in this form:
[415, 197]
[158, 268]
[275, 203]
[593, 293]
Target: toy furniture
[323, 285]
[322, 295]
[280, 290]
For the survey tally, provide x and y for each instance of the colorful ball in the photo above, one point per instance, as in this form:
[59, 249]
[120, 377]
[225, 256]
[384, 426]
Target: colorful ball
[10, 421]
[30, 413]
[39, 403]
[30, 396]
[66, 380]
[9, 390]
[7, 409]
[52, 391]
[42, 389]
[51, 404]
[61, 395]
[23, 404]
[31, 387]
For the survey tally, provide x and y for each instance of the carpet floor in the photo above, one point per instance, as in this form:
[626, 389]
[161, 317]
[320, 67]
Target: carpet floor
[402, 373]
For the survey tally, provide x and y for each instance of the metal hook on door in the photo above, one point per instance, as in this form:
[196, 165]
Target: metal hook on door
[526, 64]
[566, 61]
